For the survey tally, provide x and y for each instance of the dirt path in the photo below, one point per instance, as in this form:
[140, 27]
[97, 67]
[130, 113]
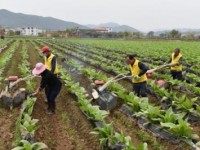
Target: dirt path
[8, 120]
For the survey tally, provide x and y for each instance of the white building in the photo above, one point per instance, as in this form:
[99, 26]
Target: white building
[104, 29]
[31, 31]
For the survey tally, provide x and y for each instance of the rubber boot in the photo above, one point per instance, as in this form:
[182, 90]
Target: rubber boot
[47, 107]
[51, 109]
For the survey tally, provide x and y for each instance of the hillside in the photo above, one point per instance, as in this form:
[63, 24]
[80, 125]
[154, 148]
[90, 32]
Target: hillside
[116, 27]
[14, 20]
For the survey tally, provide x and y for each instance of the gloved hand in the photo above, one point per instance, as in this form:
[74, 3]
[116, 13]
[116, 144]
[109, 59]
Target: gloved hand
[136, 77]
[36, 92]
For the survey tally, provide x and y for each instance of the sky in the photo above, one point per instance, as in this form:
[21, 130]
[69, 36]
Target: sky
[144, 15]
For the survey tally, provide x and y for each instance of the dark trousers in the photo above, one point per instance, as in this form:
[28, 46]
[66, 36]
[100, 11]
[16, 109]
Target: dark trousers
[51, 94]
[140, 89]
[177, 75]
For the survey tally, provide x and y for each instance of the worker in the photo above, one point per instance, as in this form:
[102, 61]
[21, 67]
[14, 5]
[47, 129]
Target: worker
[48, 80]
[50, 63]
[50, 60]
[176, 64]
[138, 71]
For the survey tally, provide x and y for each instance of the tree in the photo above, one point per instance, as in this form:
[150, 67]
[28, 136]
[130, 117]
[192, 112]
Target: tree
[137, 35]
[163, 35]
[17, 32]
[11, 33]
[55, 34]
[127, 34]
[150, 34]
[190, 36]
[174, 34]
[2, 37]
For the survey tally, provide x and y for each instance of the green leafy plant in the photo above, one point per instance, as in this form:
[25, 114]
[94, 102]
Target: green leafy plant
[109, 138]
[182, 129]
[152, 113]
[127, 143]
[126, 140]
[173, 82]
[172, 117]
[198, 109]
[30, 85]
[29, 105]
[94, 112]
[184, 103]
[24, 69]
[26, 145]
[28, 125]
[136, 103]
[106, 134]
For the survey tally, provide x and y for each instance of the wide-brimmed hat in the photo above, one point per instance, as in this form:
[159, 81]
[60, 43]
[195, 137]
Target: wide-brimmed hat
[39, 68]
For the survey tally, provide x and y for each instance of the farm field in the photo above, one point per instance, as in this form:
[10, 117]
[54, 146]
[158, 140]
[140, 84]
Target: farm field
[169, 118]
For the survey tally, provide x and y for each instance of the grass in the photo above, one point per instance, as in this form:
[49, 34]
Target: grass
[64, 117]
[144, 137]
[157, 146]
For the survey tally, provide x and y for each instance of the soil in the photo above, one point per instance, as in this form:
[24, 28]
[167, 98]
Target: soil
[8, 120]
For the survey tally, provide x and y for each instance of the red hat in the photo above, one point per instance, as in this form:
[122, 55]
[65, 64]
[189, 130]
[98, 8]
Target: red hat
[45, 49]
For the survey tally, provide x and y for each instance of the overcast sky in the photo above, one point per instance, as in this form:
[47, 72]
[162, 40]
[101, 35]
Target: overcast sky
[144, 15]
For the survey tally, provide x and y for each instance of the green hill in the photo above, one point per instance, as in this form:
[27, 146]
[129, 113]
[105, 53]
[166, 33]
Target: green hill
[15, 20]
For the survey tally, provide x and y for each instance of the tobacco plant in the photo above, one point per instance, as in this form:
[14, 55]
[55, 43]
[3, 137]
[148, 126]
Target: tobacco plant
[185, 104]
[28, 125]
[94, 112]
[26, 145]
[172, 117]
[182, 129]
[106, 134]
[152, 113]
[109, 138]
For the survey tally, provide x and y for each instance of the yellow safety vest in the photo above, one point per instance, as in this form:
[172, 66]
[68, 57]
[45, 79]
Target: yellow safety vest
[176, 60]
[48, 61]
[135, 70]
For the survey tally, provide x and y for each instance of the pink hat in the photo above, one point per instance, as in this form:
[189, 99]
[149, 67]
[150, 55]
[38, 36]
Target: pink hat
[39, 68]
